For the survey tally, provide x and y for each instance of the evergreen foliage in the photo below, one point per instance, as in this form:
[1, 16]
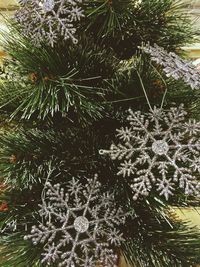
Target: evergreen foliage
[64, 103]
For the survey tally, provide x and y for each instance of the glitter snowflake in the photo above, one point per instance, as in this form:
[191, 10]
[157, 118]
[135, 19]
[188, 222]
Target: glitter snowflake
[159, 150]
[46, 20]
[174, 66]
[78, 228]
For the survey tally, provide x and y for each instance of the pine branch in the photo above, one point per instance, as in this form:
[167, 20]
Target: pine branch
[165, 23]
[15, 252]
[47, 82]
[160, 238]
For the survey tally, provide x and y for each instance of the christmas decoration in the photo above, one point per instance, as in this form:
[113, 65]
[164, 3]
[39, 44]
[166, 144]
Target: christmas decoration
[159, 149]
[62, 101]
[78, 227]
[46, 20]
[174, 66]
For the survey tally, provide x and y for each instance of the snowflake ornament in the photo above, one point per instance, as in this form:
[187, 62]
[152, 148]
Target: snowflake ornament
[174, 66]
[159, 149]
[46, 20]
[78, 227]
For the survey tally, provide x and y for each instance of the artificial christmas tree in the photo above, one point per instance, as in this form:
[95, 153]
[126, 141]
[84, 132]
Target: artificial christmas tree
[75, 192]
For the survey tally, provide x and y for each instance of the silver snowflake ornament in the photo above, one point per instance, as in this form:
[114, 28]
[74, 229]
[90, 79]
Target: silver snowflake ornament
[159, 149]
[174, 66]
[78, 227]
[47, 20]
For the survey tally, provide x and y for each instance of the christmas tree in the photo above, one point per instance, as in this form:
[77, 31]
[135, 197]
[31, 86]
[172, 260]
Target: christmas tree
[99, 135]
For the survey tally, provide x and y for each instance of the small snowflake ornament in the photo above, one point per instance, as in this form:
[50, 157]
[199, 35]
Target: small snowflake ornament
[46, 20]
[78, 226]
[159, 150]
[174, 66]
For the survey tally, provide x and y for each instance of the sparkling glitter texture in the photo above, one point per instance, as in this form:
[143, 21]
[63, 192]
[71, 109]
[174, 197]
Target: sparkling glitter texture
[81, 224]
[160, 147]
[159, 150]
[78, 227]
[45, 21]
[174, 66]
[48, 5]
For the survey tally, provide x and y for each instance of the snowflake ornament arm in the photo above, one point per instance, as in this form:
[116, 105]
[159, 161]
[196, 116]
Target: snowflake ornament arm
[46, 20]
[78, 228]
[174, 66]
[159, 150]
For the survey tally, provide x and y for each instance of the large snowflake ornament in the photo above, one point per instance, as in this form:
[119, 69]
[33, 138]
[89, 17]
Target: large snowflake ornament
[78, 227]
[46, 20]
[159, 149]
[174, 66]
